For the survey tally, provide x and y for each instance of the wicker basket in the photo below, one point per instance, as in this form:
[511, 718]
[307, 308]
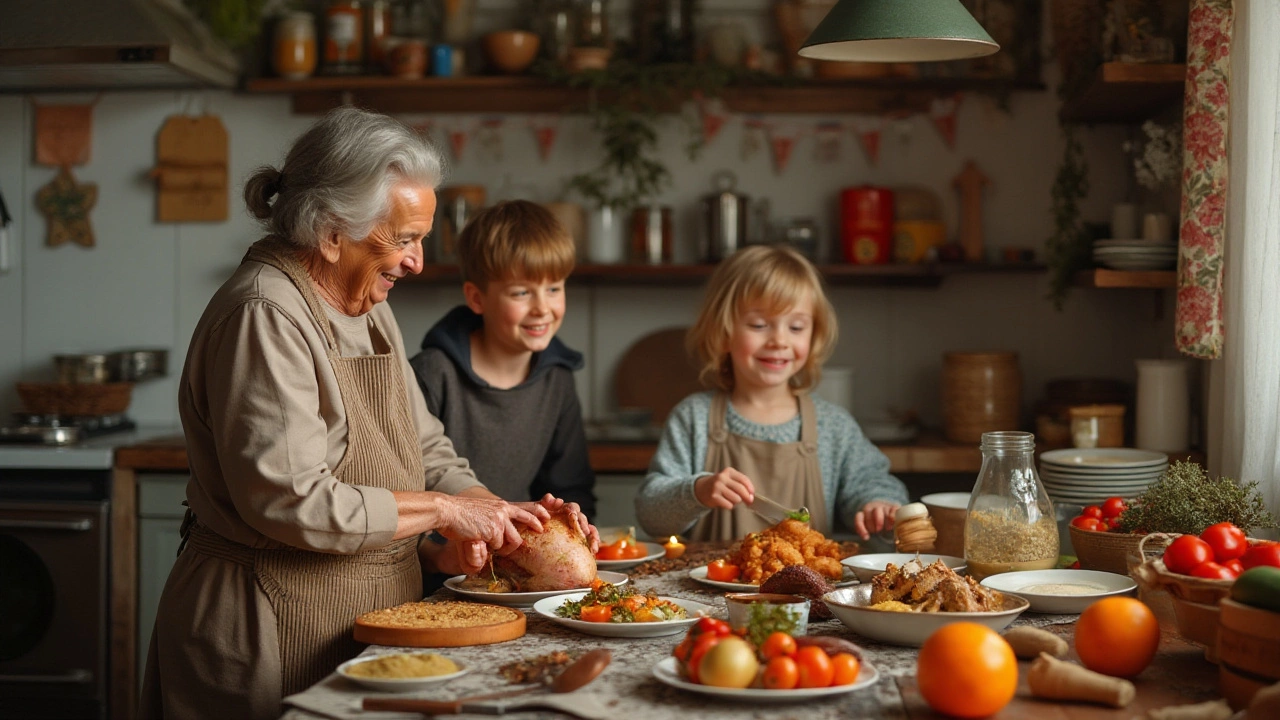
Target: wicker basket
[75, 399]
[1106, 551]
[1153, 575]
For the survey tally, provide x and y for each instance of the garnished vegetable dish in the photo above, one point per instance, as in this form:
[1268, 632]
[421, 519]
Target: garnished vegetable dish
[608, 603]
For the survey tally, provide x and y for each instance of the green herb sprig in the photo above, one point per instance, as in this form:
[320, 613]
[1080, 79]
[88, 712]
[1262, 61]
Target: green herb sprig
[1186, 500]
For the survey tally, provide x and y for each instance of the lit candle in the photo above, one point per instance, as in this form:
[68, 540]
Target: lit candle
[674, 548]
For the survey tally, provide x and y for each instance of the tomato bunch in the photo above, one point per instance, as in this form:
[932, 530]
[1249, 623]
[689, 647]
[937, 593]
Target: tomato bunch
[622, 549]
[779, 663]
[1101, 518]
[1221, 552]
[723, 571]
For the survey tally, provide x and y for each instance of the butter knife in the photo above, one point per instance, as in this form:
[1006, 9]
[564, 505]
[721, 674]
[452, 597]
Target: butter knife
[772, 511]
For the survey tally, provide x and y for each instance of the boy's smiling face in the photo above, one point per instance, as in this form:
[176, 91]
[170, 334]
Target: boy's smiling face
[520, 316]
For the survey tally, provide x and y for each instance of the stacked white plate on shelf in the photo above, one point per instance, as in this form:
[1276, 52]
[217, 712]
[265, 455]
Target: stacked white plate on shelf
[1081, 476]
[1136, 254]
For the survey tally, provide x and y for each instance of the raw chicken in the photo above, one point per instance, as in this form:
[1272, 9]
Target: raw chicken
[558, 558]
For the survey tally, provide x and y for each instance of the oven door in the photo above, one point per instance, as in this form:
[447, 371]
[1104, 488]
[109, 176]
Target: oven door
[53, 600]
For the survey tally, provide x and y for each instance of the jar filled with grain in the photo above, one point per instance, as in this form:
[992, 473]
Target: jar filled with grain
[1011, 524]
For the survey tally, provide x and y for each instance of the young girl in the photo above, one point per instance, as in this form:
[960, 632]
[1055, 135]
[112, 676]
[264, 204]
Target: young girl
[763, 333]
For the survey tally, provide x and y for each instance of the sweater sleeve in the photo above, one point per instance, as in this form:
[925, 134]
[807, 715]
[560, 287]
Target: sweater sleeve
[862, 473]
[566, 470]
[665, 503]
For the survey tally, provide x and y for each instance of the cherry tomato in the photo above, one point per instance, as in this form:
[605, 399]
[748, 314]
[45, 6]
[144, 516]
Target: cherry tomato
[681, 653]
[1074, 566]
[1113, 507]
[1088, 523]
[1264, 554]
[781, 673]
[1091, 511]
[815, 667]
[612, 551]
[714, 626]
[1227, 540]
[778, 644]
[1186, 552]
[700, 647]
[723, 571]
[1112, 523]
[1212, 571]
[597, 613]
[845, 668]
[633, 550]
[1234, 566]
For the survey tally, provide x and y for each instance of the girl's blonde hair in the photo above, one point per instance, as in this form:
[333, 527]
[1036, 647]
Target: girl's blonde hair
[777, 276]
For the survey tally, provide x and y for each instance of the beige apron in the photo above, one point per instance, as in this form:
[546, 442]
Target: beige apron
[786, 472]
[283, 620]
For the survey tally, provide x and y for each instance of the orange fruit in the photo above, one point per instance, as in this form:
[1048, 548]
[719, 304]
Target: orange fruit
[1117, 636]
[966, 670]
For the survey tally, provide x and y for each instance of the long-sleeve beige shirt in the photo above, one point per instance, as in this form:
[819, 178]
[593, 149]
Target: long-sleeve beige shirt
[265, 423]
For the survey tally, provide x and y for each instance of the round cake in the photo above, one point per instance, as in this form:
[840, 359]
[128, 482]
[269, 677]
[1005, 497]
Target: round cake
[441, 624]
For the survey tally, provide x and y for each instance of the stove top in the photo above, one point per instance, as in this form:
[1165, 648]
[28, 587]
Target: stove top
[32, 429]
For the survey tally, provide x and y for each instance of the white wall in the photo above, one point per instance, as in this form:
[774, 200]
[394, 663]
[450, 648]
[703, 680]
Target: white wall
[145, 284]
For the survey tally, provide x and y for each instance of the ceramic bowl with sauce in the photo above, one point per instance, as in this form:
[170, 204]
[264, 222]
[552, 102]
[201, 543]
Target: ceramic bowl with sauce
[742, 606]
[1062, 591]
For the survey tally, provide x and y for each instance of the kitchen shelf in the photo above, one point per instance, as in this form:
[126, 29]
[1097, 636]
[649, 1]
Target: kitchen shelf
[1127, 92]
[894, 275]
[1104, 278]
[526, 94]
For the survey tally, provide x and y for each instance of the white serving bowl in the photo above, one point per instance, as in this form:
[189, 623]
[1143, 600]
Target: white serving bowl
[909, 628]
[868, 566]
[1025, 584]
[408, 684]
[739, 604]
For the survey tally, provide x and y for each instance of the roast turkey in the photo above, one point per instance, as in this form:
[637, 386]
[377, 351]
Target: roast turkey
[558, 558]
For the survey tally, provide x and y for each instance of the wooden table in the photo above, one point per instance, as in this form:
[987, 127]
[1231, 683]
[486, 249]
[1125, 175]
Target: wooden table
[1178, 675]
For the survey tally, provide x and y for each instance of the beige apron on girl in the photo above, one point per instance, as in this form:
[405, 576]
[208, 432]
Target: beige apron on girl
[255, 625]
[786, 472]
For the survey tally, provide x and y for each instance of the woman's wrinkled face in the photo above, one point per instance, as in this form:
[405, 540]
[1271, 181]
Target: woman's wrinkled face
[367, 269]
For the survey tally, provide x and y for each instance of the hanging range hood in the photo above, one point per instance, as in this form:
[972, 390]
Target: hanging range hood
[108, 45]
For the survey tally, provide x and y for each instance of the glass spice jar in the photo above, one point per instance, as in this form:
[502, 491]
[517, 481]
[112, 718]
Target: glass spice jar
[344, 37]
[1011, 525]
[294, 50]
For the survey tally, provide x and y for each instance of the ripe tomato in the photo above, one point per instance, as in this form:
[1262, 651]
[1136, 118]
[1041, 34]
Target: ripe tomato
[633, 550]
[1088, 523]
[710, 625]
[1117, 636]
[966, 670]
[1264, 554]
[1227, 540]
[781, 673]
[612, 551]
[681, 652]
[1213, 571]
[1113, 507]
[723, 571]
[846, 667]
[814, 666]
[778, 644]
[597, 613]
[1091, 511]
[1234, 566]
[1186, 552]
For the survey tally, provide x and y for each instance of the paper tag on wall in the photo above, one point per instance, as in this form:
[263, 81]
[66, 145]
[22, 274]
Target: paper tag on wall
[64, 134]
[191, 170]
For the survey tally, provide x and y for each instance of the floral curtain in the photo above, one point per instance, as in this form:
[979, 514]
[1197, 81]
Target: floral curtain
[1198, 321]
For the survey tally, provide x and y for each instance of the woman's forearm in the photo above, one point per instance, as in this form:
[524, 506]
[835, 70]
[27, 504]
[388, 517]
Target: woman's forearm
[419, 512]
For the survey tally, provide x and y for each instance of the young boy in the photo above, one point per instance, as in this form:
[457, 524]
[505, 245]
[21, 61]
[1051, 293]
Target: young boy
[493, 371]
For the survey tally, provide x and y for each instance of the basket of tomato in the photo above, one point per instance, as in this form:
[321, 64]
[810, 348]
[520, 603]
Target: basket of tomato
[1201, 568]
[1097, 540]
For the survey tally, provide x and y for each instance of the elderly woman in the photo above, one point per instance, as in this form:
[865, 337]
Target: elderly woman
[316, 468]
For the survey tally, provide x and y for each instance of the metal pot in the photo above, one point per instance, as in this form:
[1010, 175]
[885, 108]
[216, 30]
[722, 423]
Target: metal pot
[90, 368]
[725, 218]
[134, 365]
[456, 206]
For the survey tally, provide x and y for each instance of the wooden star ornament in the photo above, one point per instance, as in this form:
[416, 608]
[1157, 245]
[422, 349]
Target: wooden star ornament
[66, 205]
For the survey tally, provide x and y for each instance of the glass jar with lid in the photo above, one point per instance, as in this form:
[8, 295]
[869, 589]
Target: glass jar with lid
[1011, 524]
[294, 52]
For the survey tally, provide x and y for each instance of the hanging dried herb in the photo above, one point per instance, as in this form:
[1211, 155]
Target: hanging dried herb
[1186, 500]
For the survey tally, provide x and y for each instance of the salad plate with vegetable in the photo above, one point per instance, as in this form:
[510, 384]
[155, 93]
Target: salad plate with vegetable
[612, 611]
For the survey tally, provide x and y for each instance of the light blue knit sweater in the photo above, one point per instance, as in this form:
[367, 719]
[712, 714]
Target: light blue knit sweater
[854, 471]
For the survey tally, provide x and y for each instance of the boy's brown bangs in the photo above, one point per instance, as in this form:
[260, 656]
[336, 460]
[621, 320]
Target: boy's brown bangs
[547, 261]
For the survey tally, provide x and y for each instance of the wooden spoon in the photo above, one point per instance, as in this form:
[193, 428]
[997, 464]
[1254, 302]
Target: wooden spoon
[578, 674]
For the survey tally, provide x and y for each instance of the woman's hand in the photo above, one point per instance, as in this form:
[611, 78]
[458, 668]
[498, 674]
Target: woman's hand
[487, 520]
[553, 503]
[724, 489]
[875, 516]
[466, 557]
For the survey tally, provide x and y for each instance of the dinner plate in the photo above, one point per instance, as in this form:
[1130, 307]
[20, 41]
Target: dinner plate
[1111, 458]
[700, 574]
[397, 684]
[652, 551]
[668, 672]
[524, 599]
[850, 605]
[1030, 584]
[546, 607]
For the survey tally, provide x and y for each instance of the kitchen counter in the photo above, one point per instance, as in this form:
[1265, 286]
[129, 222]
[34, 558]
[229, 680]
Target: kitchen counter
[1178, 675]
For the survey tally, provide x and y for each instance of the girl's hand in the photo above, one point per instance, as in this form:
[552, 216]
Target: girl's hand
[553, 503]
[875, 516]
[724, 489]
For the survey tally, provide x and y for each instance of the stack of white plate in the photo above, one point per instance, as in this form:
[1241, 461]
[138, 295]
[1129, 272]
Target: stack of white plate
[1082, 476]
[1136, 254]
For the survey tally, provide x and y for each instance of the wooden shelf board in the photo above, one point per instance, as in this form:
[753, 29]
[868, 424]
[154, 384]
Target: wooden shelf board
[1104, 278]
[1126, 92]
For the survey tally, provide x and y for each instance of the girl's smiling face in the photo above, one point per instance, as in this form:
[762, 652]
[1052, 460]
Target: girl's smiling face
[767, 347]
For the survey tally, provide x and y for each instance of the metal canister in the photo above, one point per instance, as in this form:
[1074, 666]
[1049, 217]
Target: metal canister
[726, 217]
[866, 225]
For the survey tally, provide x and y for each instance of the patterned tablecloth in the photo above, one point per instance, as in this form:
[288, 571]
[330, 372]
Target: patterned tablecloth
[628, 687]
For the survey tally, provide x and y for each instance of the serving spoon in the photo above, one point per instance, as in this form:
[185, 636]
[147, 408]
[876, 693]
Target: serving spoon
[577, 674]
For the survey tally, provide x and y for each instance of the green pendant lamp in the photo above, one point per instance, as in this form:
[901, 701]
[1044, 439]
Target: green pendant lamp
[898, 31]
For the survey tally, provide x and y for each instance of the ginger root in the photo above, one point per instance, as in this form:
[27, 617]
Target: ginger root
[1028, 642]
[913, 531]
[1212, 710]
[1060, 680]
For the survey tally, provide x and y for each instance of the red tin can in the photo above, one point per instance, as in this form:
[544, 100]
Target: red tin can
[866, 225]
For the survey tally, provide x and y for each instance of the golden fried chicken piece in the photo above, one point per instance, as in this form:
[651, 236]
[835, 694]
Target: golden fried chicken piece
[790, 542]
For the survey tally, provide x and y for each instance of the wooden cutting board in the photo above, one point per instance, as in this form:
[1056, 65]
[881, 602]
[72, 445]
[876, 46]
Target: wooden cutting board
[419, 625]
[656, 373]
